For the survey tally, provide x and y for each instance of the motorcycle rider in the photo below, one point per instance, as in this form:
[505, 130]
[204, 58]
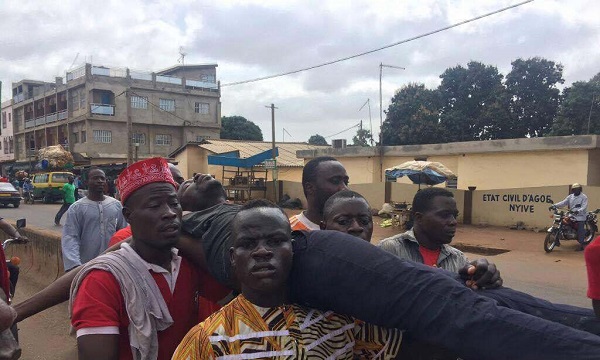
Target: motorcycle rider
[577, 202]
[27, 189]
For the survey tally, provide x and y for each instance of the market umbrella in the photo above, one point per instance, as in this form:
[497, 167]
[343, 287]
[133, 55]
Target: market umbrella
[421, 172]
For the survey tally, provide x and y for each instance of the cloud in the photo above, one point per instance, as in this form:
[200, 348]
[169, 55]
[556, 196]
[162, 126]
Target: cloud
[251, 39]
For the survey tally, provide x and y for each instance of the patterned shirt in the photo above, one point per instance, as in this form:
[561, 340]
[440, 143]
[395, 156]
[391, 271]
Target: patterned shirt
[405, 246]
[285, 332]
[301, 222]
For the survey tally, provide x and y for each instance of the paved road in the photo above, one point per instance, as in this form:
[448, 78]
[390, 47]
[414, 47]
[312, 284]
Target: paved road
[38, 215]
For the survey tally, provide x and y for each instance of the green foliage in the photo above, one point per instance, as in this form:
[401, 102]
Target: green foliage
[317, 140]
[580, 109]
[413, 117]
[362, 138]
[239, 128]
[535, 96]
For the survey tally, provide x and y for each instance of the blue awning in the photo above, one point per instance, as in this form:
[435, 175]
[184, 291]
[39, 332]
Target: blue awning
[229, 159]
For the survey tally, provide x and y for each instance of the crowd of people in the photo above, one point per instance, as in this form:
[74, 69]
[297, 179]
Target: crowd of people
[174, 270]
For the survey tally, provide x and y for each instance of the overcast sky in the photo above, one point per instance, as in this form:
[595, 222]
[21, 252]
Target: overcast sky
[249, 39]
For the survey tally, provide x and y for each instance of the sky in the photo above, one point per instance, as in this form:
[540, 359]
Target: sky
[251, 39]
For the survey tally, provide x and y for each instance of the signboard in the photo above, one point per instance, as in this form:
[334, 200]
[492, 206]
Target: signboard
[270, 164]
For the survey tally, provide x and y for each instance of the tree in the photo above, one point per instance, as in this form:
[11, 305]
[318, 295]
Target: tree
[577, 107]
[317, 140]
[362, 138]
[535, 97]
[239, 128]
[470, 96]
[413, 117]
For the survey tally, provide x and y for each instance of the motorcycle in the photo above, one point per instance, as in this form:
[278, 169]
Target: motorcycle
[28, 197]
[13, 268]
[564, 227]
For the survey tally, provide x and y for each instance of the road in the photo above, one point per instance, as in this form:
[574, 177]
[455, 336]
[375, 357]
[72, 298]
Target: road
[559, 276]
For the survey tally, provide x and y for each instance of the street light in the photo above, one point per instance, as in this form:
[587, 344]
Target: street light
[381, 66]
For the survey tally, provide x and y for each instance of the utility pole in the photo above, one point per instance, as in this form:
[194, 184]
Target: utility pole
[129, 127]
[381, 66]
[273, 152]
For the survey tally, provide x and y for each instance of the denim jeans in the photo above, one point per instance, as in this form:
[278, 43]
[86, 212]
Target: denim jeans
[339, 272]
[63, 209]
[581, 231]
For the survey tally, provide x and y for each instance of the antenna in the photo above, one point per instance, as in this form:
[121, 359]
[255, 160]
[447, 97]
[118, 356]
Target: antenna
[182, 56]
[73, 63]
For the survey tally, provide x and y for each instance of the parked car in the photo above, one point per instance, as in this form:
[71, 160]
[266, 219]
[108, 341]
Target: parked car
[48, 186]
[9, 195]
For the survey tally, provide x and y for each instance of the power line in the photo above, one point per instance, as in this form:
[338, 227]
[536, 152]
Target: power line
[381, 48]
[350, 128]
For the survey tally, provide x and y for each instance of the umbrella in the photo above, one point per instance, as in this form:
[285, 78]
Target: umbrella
[421, 172]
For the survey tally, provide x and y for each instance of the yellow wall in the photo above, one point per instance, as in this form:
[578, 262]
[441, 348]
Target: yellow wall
[361, 170]
[374, 193]
[294, 190]
[522, 169]
[192, 160]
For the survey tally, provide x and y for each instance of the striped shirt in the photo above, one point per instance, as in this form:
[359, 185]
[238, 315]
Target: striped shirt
[242, 330]
[301, 222]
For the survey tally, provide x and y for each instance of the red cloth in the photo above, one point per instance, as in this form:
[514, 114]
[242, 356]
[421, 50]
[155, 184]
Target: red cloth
[4, 276]
[592, 263]
[99, 303]
[120, 235]
[430, 257]
[143, 173]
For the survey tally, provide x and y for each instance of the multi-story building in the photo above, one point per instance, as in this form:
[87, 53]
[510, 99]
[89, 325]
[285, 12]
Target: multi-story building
[7, 148]
[107, 115]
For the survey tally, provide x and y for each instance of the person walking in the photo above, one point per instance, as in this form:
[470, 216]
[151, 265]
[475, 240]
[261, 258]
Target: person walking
[68, 199]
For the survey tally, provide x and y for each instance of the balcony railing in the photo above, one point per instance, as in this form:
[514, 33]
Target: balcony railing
[41, 120]
[29, 123]
[75, 74]
[200, 84]
[168, 79]
[102, 109]
[51, 118]
[62, 115]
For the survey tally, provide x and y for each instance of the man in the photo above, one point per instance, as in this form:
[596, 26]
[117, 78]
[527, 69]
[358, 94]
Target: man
[332, 270]
[139, 301]
[91, 221]
[349, 212]
[577, 203]
[5, 276]
[251, 325]
[592, 263]
[77, 184]
[321, 177]
[68, 190]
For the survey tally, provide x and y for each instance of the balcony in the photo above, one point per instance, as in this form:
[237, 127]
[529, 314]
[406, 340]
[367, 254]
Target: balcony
[41, 120]
[62, 115]
[200, 84]
[51, 118]
[102, 109]
[29, 123]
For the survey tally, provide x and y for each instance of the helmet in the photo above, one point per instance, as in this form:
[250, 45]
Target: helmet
[576, 186]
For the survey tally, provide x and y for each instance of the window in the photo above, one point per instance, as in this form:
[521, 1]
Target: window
[207, 78]
[163, 139]
[202, 108]
[138, 138]
[452, 183]
[9, 117]
[83, 136]
[140, 102]
[167, 104]
[103, 136]
[10, 145]
[201, 138]
[5, 146]
[75, 138]
[4, 120]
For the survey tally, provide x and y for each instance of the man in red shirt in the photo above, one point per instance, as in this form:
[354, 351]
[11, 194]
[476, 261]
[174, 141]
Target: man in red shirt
[592, 262]
[141, 298]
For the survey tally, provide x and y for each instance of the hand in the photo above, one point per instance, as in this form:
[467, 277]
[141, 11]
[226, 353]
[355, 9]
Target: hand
[575, 212]
[552, 207]
[481, 274]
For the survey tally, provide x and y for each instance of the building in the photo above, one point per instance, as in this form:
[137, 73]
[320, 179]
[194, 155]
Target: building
[110, 115]
[193, 157]
[7, 148]
[484, 165]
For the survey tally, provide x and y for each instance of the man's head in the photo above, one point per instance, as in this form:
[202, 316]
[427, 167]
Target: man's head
[70, 179]
[150, 203]
[261, 255]
[434, 211]
[201, 192]
[322, 177]
[576, 189]
[348, 211]
[96, 180]
[177, 176]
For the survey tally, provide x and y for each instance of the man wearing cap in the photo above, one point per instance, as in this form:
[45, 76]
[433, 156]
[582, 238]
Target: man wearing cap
[138, 302]
[577, 203]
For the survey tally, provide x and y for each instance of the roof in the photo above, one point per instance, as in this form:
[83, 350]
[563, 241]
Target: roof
[287, 150]
[179, 67]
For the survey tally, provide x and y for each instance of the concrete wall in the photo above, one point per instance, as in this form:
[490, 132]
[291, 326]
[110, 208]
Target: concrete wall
[374, 193]
[361, 170]
[41, 256]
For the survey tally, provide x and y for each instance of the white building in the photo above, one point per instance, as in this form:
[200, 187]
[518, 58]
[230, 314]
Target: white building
[7, 147]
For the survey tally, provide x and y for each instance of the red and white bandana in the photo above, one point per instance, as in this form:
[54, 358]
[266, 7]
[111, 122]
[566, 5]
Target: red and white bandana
[143, 173]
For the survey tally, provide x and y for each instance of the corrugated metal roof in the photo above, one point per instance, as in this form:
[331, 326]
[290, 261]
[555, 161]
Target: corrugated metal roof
[287, 150]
